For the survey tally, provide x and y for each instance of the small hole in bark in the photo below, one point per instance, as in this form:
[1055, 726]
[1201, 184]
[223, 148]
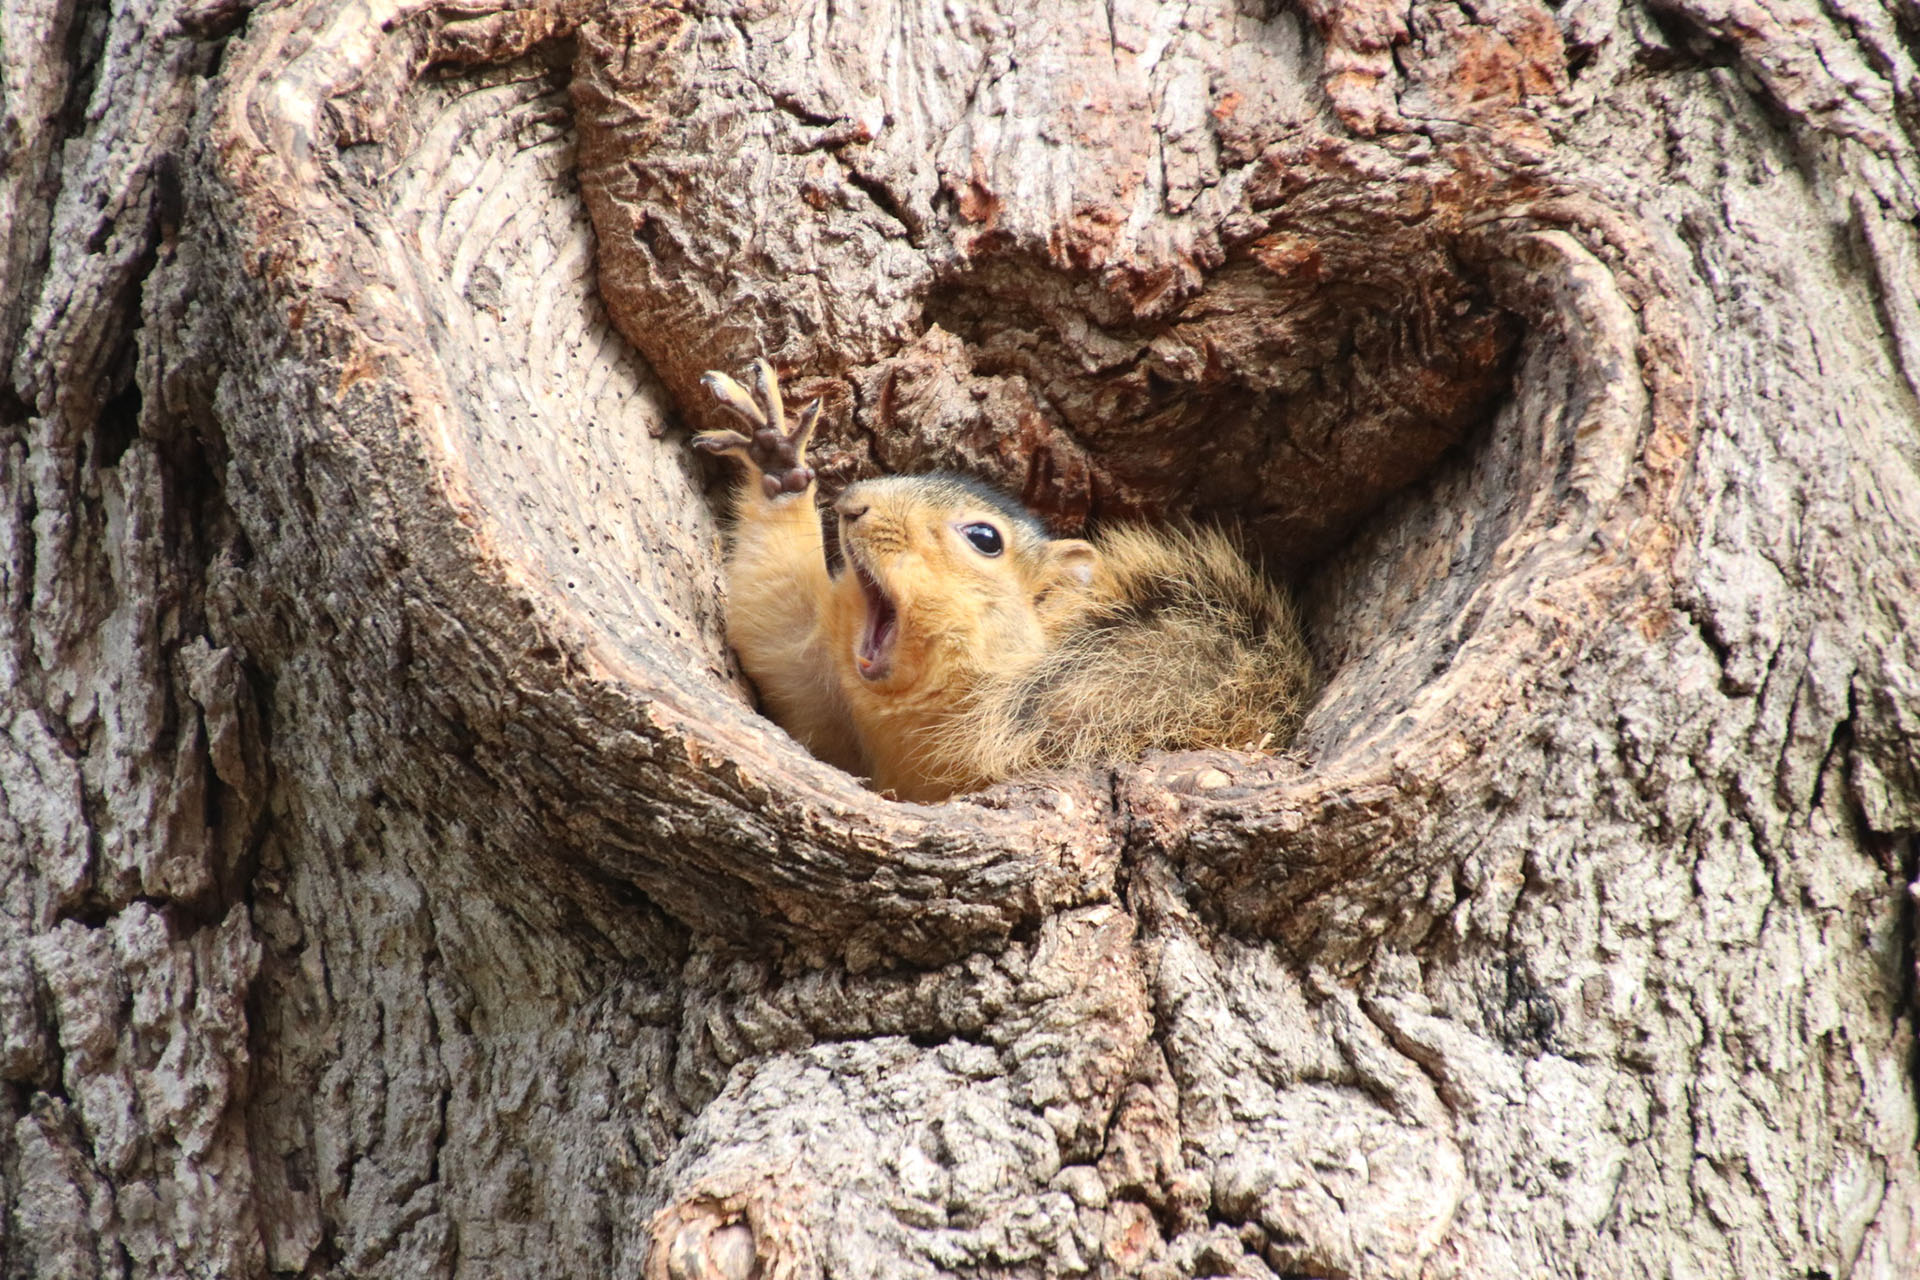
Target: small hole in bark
[91, 911]
[117, 427]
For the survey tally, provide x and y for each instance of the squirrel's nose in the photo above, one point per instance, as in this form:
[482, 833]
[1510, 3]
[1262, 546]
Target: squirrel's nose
[852, 509]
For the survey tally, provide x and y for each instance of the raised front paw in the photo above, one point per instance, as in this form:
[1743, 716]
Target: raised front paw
[777, 456]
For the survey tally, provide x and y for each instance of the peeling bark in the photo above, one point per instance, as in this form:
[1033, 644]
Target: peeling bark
[399, 881]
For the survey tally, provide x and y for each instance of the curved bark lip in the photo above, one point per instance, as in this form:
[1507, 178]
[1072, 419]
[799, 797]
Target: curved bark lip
[678, 788]
[619, 719]
[1601, 486]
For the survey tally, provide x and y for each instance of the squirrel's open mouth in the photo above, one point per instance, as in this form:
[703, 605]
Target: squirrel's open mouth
[873, 655]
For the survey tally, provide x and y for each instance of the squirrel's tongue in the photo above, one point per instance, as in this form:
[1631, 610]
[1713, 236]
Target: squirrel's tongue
[874, 652]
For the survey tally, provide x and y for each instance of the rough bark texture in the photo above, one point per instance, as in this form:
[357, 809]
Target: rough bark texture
[396, 880]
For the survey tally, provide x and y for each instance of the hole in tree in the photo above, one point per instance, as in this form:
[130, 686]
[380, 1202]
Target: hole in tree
[1317, 372]
[1322, 390]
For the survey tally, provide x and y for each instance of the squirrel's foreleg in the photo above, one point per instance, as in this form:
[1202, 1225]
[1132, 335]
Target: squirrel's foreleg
[777, 583]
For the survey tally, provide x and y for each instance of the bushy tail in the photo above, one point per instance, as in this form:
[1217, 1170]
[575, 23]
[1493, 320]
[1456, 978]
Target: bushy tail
[1192, 648]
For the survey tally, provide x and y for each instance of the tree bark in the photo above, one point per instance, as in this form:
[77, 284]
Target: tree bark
[397, 879]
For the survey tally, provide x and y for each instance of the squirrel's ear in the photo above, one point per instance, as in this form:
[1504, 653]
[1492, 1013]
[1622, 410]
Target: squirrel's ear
[1070, 563]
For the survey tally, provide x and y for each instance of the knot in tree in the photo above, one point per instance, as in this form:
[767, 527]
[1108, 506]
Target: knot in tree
[403, 879]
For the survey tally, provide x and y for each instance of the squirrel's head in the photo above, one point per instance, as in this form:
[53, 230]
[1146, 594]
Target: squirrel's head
[947, 578]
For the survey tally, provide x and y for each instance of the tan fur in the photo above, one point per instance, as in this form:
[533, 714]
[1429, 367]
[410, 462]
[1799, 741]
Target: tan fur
[1185, 646]
[1054, 652]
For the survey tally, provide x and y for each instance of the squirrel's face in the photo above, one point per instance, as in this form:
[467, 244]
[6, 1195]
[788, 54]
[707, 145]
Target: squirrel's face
[945, 579]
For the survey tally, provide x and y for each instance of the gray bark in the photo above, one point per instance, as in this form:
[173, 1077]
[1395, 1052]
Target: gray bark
[396, 880]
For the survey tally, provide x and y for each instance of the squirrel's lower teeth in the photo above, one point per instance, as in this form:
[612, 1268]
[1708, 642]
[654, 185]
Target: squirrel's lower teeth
[879, 631]
[881, 618]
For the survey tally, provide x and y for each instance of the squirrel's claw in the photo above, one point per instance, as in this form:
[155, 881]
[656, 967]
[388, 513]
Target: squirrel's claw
[803, 429]
[733, 396]
[778, 455]
[722, 442]
[766, 386]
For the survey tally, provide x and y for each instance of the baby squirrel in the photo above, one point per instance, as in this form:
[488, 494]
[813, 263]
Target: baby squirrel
[961, 645]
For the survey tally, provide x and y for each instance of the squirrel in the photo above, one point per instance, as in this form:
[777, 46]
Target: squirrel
[960, 645]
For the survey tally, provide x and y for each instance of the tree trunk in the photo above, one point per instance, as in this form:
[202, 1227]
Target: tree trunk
[397, 877]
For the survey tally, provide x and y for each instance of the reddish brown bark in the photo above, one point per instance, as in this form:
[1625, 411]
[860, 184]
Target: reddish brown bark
[399, 880]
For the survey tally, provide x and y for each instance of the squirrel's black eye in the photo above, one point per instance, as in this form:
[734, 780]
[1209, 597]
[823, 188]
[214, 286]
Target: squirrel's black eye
[984, 537]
